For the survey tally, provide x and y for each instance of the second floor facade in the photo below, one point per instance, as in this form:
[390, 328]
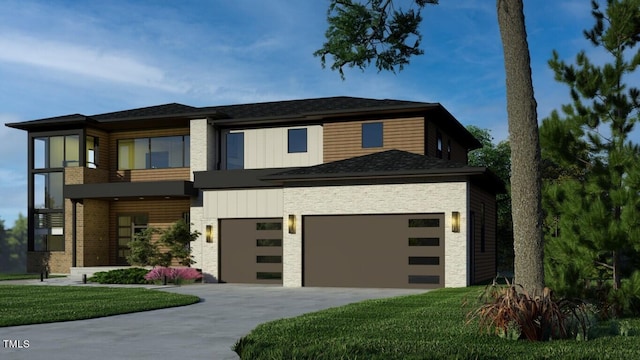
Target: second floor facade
[167, 144]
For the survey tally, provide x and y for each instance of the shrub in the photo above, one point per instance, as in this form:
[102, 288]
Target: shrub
[177, 240]
[175, 275]
[144, 252]
[121, 276]
[511, 312]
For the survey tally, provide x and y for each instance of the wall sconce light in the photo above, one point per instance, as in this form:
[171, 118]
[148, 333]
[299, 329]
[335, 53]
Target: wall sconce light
[209, 234]
[292, 224]
[455, 221]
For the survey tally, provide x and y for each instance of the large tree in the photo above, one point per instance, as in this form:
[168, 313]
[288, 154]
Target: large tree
[380, 31]
[594, 204]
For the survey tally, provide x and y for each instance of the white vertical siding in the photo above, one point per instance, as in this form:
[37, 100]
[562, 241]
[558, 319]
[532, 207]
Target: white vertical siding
[267, 148]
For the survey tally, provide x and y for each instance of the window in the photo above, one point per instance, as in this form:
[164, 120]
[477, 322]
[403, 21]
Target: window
[56, 151]
[92, 151]
[297, 140]
[372, 135]
[448, 149]
[47, 190]
[128, 227]
[424, 241]
[48, 232]
[438, 144]
[482, 228]
[424, 222]
[235, 151]
[269, 242]
[269, 226]
[269, 259]
[424, 260]
[153, 153]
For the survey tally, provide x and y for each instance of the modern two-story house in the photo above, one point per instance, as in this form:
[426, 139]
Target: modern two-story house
[336, 191]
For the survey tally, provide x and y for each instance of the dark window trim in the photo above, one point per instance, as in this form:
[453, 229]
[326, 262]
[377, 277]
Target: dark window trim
[438, 144]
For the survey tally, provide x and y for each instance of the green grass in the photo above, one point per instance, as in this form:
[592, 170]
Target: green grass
[4, 277]
[426, 326]
[34, 304]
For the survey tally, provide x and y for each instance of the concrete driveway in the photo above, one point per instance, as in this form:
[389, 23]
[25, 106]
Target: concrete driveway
[206, 330]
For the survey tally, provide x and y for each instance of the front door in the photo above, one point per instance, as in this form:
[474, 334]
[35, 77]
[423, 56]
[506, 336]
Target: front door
[128, 227]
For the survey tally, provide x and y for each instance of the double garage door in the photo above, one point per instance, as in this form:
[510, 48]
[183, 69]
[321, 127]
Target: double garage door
[383, 251]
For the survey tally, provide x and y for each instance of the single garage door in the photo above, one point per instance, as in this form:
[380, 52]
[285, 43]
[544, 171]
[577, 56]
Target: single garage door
[386, 251]
[251, 251]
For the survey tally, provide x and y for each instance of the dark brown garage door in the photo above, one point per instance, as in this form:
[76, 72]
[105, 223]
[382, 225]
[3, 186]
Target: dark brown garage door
[251, 251]
[397, 251]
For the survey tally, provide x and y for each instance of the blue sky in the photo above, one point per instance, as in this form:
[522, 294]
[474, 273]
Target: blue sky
[90, 57]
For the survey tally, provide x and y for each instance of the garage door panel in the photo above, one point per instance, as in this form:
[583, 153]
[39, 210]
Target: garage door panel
[251, 251]
[374, 250]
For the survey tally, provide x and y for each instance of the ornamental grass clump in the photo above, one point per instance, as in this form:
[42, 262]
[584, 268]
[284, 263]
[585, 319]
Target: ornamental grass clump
[509, 311]
[174, 275]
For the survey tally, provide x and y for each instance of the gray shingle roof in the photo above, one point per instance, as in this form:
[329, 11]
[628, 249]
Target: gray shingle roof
[391, 162]
[159, 110]
[308, 106]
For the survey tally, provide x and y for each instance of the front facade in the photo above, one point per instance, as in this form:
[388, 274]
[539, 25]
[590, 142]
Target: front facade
[335, 191]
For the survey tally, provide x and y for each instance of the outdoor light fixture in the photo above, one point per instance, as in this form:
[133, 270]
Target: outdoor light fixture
[455, 221]
[292, 224]
[209, 233]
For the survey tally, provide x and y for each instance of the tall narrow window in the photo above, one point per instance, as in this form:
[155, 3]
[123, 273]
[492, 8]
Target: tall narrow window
[438, 144]
[92, 151]
[449, 149]
[297, 140]
[235, 151]
[128, 227]
[372, 135]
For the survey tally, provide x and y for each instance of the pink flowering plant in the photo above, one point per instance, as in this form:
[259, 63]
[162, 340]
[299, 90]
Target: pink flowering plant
[174, 275]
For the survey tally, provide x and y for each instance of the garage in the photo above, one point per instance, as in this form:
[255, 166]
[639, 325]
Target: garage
[384, 251]
[251, 251]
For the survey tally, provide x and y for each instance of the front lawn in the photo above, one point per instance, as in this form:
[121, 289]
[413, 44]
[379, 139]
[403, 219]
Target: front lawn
[4, 277]
[34, 304]
[426, 326]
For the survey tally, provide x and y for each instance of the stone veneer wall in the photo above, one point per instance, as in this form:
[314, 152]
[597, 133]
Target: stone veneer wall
[380, 199]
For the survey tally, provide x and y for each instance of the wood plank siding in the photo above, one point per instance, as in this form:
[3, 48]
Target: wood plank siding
[484, 250]
[161, 214]
[343, 140]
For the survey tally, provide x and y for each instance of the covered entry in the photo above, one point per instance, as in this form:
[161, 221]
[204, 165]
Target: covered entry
[251, 251]
[385, 251]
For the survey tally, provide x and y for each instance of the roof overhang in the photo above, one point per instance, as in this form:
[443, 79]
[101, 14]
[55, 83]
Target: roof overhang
[235, 179]
[121, 190]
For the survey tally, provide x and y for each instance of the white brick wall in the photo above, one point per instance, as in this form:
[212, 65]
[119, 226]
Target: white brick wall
[379, 199]
[333, 200]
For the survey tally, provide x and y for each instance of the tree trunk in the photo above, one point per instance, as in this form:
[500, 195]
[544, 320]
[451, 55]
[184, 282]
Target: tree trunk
[525, 148]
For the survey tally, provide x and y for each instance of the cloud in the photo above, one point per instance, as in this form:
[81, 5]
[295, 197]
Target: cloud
[80, 60]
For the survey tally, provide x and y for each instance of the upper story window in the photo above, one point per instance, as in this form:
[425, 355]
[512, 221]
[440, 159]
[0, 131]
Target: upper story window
[154, 153]
[56, 151]
[92, 151]
[372, 135]
[235, 150]
[449, 149]
[297, 140]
